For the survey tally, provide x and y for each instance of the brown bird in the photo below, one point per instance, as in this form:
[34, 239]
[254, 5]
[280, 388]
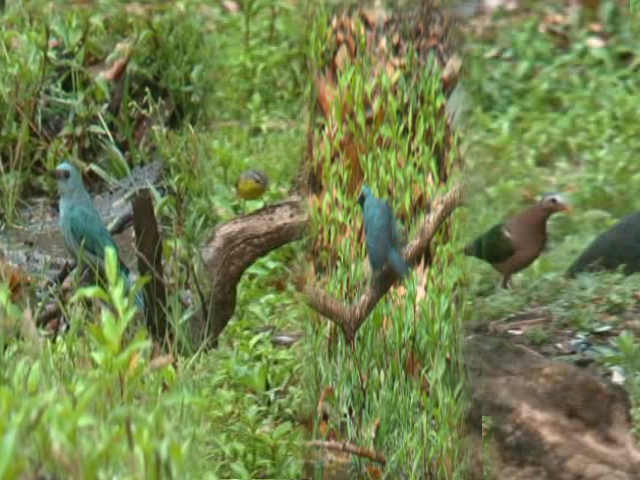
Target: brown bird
[513, 245]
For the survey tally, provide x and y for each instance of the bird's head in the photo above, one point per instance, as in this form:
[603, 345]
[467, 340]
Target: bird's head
[366, 192]
[555, 202]
[252, 184]
[68, 178]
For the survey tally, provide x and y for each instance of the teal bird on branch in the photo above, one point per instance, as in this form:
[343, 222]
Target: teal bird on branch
[514, 244]
[85, 235]
[382, 235]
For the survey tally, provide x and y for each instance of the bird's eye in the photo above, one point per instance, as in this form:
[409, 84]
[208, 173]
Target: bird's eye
[554, 200]
[66, 173]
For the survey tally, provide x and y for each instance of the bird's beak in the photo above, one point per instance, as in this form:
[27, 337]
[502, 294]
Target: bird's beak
[567, 208]
[60, 174]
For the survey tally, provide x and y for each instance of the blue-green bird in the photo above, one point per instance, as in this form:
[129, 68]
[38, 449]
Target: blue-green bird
[382, 234]
[85, 234]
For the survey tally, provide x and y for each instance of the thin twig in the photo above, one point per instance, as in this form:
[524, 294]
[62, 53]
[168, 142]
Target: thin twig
[121, 223]
[349, 448]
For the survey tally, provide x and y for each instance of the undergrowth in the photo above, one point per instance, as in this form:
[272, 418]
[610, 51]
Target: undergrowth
[209, 92]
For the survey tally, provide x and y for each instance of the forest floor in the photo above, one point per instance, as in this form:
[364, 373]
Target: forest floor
[548, 359]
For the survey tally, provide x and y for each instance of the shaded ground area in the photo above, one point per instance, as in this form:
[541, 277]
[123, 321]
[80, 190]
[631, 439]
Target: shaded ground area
[543, 418]
[552, 383]
[37, 245]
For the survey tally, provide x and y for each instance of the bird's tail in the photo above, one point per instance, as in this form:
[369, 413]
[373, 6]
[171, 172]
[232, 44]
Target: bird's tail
[127, 284]
[397, 263]
[469, 250]
[140, 301]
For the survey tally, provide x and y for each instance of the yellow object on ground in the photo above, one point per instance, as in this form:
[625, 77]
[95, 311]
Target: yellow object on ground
[252, 184]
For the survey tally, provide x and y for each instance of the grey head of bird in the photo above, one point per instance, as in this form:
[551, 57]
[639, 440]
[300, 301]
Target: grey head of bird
[366, 192]
[554, 202]
[69, 179]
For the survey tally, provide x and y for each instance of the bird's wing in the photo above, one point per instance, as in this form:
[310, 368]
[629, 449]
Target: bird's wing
[494, 246]
[378, 230]
[89, 232]
[397, 235]
[618, 246]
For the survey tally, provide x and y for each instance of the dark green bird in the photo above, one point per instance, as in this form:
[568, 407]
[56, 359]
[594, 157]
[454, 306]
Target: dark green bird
[514, 244]
[252, 184]
[617, 247]
[382, 234]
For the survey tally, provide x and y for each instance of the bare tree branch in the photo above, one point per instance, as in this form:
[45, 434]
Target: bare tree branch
[350, 317]
[236, 244]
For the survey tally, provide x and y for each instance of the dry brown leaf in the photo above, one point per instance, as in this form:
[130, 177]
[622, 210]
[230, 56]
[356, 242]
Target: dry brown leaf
[28, 329]
[115, 71]
[161, 361]
[375, 429]
[590, 4]
[341, 57]
[596, 28]
[421, 287]
[325, 94]
[382, 45]
[375, 16]
[374, 472]
[16, 278]
[231, 6]
[508, 5]
[494, 52]
[556, 19]
[137, 8]
[133, 363]
[596, 42]
[387, 324]
[327, 392]
[15, 43]
[451, 72]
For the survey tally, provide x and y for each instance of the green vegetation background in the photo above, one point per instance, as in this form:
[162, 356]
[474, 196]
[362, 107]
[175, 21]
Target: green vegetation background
[93, 404]
[557, 112]
[226, 92]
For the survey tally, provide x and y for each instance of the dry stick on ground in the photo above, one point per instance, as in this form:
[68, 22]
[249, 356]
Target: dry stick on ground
[350, 317]
[350, 448]
[121, 223]
[240, 242]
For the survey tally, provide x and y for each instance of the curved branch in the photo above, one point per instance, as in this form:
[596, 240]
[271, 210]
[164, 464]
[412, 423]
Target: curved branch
[350, 317]
[236, 244]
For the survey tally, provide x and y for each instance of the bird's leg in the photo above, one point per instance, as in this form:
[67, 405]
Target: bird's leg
[376, 277]
[506, 282]
[84, 275]
[67, 268]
